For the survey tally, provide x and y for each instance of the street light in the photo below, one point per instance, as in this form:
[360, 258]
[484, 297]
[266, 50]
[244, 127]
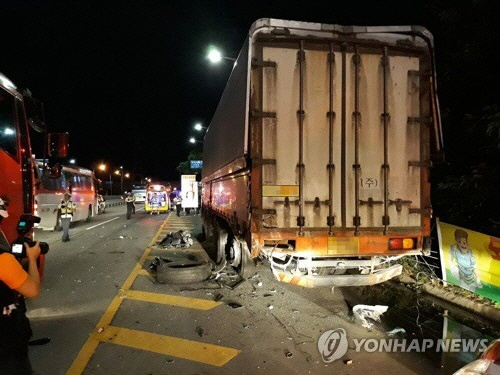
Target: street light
[199, 127]
[193, 140]
[215, 56]
[127, 175]
[72, 161]
[102, 167]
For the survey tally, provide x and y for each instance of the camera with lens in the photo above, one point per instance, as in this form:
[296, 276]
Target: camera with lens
[24, 226]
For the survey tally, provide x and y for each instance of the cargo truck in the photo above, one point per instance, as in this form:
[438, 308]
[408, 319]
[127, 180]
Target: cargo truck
[318, 155]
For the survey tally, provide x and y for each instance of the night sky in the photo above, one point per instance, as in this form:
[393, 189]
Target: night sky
[129, 79]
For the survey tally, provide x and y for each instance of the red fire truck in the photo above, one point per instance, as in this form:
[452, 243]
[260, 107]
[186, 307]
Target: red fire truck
[19, 114]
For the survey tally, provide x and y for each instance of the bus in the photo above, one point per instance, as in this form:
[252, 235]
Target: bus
[49, 193]
[139, 192]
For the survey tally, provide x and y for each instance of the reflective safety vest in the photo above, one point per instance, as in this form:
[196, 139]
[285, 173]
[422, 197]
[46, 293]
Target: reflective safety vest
[67, 209]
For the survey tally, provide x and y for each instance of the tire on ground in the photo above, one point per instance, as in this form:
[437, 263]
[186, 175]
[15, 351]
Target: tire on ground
[183, 272]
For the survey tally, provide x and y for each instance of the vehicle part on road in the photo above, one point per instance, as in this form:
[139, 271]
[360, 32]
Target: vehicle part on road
[183, 272]
[234, 305]
[177, 239]
[362, 312]
[395, 331]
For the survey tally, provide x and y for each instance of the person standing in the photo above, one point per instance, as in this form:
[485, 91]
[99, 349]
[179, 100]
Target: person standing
[66, 210]
[178, 204]
[15, 330]
[129, 200]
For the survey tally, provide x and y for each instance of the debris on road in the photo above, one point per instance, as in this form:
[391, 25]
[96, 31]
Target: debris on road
[234, 305]
[100, 330]
[288, 354]
[348, 361]
[362, 312]
[218, 297]
[270, 307]
[199, 331]
[395, 331]
[176, 239]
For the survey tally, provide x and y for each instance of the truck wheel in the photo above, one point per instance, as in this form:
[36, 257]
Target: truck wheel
[183, 272]
[220, 244]
[241, 260]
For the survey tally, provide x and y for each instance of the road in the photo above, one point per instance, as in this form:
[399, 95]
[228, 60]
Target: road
[105, 314]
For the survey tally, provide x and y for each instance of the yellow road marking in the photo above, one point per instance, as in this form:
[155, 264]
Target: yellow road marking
[192, 350]
[166, 299]
[90, 346]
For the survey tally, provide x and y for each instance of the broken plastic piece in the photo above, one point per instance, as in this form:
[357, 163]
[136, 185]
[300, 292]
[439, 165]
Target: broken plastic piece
[234, 305]
[362, 312]
[395, 331]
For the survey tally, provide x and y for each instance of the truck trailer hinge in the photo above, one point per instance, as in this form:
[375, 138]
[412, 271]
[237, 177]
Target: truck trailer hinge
[427, 121]
[301, 221]
[386, 220]
[256, 63]
[287, 202]
[370, 202]
[317, 202]
[330, 221]
[301, 56]
[356, 221]
[420, 164]
[330, 114]
[399, 203]
[424, 211]
[260, 114]
[419, 73]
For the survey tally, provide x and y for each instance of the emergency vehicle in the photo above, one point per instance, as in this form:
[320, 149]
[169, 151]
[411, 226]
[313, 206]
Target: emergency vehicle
[20, 113]
[156, 199]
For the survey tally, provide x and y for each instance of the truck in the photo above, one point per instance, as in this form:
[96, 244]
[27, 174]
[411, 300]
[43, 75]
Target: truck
[318, 155]
[20, 114]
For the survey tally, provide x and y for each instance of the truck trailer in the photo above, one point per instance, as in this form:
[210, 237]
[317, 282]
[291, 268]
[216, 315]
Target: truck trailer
[318, 155]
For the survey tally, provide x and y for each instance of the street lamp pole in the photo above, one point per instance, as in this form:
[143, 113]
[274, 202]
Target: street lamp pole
[121, 179]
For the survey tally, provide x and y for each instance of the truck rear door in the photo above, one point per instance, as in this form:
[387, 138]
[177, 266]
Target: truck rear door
[344, 141]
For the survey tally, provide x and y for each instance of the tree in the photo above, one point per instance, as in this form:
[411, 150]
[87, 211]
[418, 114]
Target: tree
[185, 167]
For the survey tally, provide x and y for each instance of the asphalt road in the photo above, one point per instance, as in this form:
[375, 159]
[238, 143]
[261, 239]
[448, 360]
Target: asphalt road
[105, 314]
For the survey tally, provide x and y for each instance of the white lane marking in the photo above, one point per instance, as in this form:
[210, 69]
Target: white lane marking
[94, 226]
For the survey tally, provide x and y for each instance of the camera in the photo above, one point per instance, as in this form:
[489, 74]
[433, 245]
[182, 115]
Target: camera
[24, 226]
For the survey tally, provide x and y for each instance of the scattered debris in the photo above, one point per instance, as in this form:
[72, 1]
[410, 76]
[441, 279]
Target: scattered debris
[395, 331]
[288, 354]
[246, 326]
[270, 307]
[259, 284]
[218, 297]
[268, 295]
[122, 237]
[295, 311]
[199, 331]
[362, 312]
[234, 284]
[176, 239]
[100, 330]
[169, 361]
[348, 361]
[234, 305]
[272, 290]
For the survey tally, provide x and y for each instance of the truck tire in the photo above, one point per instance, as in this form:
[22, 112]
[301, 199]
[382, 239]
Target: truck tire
[183, 272]
[220, 244]
[241, 260]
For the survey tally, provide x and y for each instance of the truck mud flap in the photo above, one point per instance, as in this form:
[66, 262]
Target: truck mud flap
[376, 277]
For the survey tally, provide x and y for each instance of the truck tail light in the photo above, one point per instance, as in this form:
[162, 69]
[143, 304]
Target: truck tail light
[402, 243]
[36, 207]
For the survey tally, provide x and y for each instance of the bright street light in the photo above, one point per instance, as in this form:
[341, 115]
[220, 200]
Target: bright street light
[127, 175]
[215, 56]
[72, 161]
[117, 172]
[102, 167]
[192, 140]
[199, 127]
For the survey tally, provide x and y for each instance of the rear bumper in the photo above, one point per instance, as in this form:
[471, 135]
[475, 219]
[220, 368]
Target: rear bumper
[309, 281]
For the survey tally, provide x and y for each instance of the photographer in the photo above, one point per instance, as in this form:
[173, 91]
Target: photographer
[15, 330]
